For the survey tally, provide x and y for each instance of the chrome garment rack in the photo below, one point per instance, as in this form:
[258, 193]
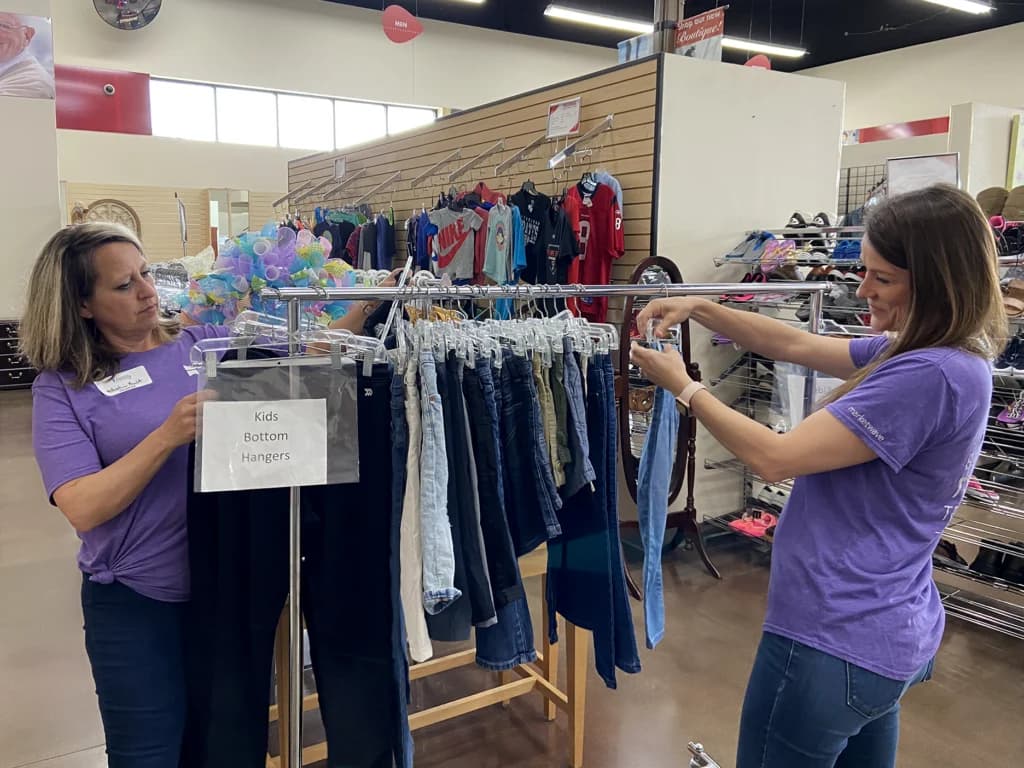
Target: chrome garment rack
[294, 297]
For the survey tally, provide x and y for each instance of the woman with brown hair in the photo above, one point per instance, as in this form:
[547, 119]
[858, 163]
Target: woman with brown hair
[113, 411]
[854, 618]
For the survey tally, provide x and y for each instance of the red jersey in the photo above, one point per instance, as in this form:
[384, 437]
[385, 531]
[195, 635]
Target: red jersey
[601, 242]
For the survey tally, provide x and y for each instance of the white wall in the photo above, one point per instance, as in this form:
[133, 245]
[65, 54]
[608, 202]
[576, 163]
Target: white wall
[322, 48]
[732, 160]
[922, 81]
[29, 190]
[114, 158]
[981, 134]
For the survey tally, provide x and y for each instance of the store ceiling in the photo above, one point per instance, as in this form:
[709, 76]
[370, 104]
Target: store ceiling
[832, 30]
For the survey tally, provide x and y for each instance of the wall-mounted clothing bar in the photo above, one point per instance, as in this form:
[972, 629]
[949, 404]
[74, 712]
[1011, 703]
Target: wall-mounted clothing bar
[390, 180]
[459, 172]
[317, 188]
[456, 155]
[569, 151]
[521, 155]
[292, 195]
[343, 183]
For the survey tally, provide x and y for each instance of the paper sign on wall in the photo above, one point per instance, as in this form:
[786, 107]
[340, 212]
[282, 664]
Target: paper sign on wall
[700, 37]
[264, 444]
[564, 118]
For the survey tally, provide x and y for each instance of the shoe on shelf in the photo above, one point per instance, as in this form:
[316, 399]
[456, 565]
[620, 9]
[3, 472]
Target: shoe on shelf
[977, 492]
[1004, 363]
[989, 562]
[1013, 565]
[946, 554]
[1013, 414]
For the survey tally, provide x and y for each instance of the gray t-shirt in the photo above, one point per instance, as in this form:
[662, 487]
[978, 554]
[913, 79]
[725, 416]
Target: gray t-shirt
[455, 242]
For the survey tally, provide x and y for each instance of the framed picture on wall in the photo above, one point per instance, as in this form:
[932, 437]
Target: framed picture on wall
[26, 56]
[1015, 168]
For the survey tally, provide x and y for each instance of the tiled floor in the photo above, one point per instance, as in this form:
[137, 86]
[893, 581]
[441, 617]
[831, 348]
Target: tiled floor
[691, 687]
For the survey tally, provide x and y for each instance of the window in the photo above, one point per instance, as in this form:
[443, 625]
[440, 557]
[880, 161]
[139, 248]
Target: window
[201, 112]
[305, 122]
[406, 118]
[182, 110]
[356, 122]
[246, 117]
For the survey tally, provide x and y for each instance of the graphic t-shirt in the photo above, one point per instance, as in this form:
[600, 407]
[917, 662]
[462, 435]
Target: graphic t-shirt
[534, 210]
[561, 248]
[851, 562]
[497, 265]
[454, 244]
[601, 242]
[77, 432]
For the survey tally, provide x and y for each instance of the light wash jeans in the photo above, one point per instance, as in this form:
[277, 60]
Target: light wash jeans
[652, 484]
[411, 547]
[438, 550]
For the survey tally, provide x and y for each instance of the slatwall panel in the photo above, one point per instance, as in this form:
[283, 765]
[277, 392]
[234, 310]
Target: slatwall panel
[261, 209]
[158, 214]
[627, 152]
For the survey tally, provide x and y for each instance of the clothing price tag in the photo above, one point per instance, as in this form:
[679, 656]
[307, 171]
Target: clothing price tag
[263, 444]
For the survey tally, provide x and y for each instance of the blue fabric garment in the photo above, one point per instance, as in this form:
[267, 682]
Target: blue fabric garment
[586, 575]
[652, 485]
[579, 472]
[509, 643]
[807, 708]
[518, 243]
[424, 229]
[385, 254]
[603, 177]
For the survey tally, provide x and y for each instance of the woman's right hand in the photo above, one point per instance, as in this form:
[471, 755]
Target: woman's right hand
[180, 427]
[670, 312]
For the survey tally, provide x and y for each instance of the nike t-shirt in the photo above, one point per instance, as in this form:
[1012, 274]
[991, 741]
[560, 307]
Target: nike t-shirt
[851, 563]
[454, 243]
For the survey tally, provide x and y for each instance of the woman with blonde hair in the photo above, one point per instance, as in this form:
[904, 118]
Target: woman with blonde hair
[854, 618]
[113, 411]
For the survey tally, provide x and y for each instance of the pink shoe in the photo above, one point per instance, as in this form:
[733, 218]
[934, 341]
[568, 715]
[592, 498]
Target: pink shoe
[754, 526]
[976, 491]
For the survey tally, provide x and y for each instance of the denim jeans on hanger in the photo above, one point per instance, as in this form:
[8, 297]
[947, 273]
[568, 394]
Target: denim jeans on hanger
[239, 564]
[531, 516]
[411, 546]
[550, 499]
[586, 580]
[579, 471]
[653, 480]
[439, 589]
[561, 410]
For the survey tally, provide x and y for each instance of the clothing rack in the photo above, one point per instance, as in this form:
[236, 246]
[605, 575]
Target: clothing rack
[569, 151]
[456, 155]
[342, 183]
[294, 297]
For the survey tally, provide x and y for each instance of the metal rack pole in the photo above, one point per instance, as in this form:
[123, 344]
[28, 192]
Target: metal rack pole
[295, 655]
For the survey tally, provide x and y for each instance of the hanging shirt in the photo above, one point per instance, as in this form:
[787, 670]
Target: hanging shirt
[352, 247]
[480, 250]
[498, 249]
[561, 249]
[488, 195]
[534, 210]
[601, 242]
[424, 229]
[518, 244]
[385, 244]
[603, 177]
[455, 242]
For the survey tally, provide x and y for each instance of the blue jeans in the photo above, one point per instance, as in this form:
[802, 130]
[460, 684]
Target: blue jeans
[808, 709]
[438, 548]
[579, 472]
[135, 648]
[652, 484]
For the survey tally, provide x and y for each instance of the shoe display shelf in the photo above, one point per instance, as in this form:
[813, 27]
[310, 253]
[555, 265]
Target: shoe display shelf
[816, 246]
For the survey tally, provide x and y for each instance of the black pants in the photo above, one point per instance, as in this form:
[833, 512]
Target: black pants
[350, 599]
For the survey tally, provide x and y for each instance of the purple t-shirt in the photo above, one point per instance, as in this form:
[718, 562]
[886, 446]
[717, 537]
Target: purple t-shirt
[851, 567]
[76, 432]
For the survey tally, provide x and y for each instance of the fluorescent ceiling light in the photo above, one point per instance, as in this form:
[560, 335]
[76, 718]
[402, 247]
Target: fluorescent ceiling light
[967, 6]
[598, 19]
[769, 49]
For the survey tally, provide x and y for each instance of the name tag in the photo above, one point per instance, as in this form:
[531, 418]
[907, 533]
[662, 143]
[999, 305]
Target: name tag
[125, 381]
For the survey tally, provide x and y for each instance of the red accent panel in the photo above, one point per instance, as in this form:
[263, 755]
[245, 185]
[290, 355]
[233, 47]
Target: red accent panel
[905, 130]
[83, 105]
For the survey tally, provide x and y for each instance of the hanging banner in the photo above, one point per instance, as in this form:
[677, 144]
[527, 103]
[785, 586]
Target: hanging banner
[700, 37]
[564, 118]
[400, 26]
[638, 47]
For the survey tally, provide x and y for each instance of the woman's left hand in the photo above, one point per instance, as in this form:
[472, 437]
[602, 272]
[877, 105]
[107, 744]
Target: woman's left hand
[666, 368]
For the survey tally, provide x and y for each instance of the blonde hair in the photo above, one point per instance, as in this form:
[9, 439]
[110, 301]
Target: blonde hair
[54, 335]
[940, 236]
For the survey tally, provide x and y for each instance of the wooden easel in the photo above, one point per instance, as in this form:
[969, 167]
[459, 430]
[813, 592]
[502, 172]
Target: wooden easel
[540, 677]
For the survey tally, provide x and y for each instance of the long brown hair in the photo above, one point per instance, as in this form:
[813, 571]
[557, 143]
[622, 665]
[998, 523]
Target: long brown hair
[942, 238]
[54, 335]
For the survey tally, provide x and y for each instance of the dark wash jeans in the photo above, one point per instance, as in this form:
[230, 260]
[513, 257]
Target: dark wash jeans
[350, 599]
[134, 645]
[809, 709]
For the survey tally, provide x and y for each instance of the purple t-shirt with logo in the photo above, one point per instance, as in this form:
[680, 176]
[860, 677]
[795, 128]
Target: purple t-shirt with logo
[851, 567]
[76, 432]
